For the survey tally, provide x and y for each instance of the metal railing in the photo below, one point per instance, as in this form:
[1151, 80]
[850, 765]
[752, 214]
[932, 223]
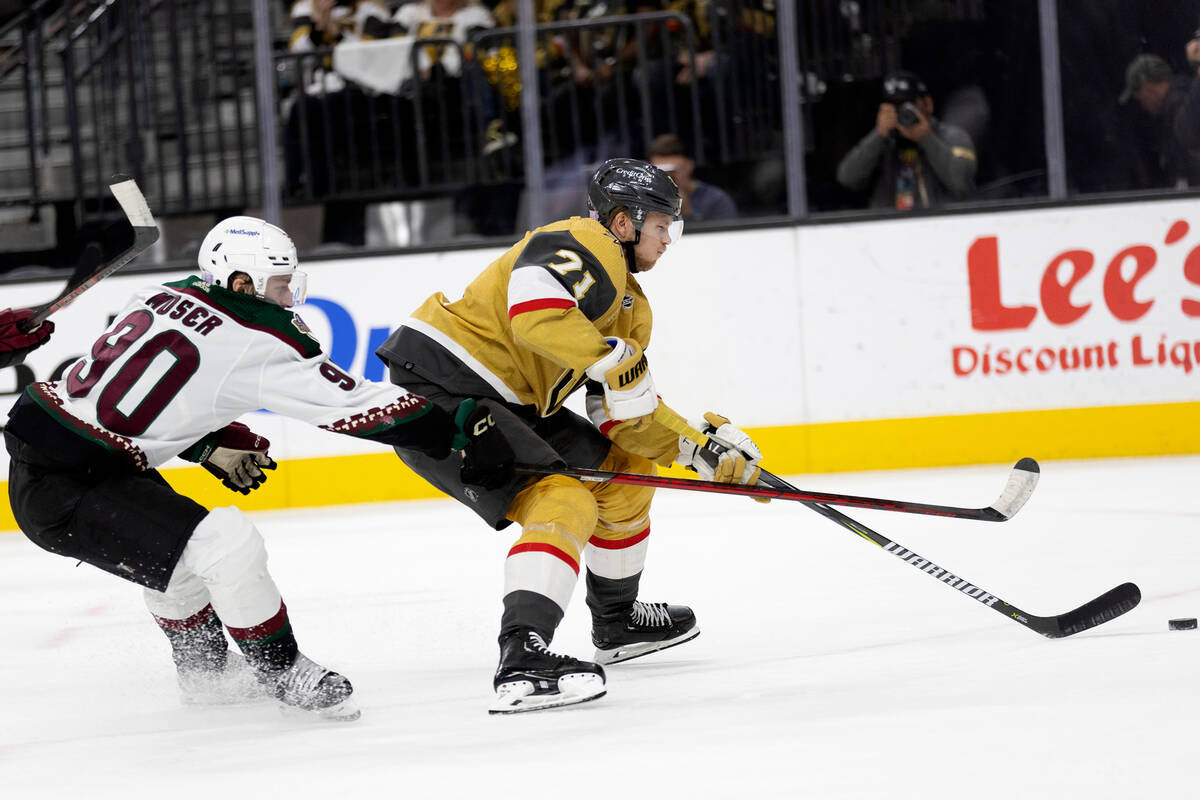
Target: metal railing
[344, 141]
[162, 90]
[171, 92]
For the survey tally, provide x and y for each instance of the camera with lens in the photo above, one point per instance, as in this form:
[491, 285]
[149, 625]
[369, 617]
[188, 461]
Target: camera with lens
[907, 115]
[901, 89]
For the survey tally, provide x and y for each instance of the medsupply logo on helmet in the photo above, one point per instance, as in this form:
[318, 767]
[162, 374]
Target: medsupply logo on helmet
[257, 248]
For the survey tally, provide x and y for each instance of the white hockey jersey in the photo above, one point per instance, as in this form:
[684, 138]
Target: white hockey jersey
[184, 359]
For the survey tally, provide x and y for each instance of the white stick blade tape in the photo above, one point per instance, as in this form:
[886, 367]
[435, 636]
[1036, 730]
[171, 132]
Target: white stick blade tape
[133, 203]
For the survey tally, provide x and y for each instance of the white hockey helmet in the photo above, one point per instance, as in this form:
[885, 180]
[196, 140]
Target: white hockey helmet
[255, 247]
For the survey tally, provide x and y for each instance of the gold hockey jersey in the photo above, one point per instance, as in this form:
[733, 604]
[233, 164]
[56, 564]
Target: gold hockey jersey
[536, 318]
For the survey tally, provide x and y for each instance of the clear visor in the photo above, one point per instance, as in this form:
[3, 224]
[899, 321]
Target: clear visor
[287, 290]
[657, 225]
[675, 230]
[284, 290]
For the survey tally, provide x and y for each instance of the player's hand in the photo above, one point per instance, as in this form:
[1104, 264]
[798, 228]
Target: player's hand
[730, 456]
[629, 391]
[487, 457]
[238, 458]
[13, 338]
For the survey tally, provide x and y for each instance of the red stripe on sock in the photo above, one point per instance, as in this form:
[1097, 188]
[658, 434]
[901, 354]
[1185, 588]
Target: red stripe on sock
[538, 547]
[618, 544]
[190, 624]
[538, 305]
[263, 629]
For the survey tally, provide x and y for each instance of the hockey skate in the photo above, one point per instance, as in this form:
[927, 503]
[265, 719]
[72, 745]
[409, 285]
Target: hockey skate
[232, 684]
[532, 678]
[645, 628]
[308, 686]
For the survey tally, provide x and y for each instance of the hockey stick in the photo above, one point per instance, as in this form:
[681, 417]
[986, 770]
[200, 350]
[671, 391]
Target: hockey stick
[145, 233]
[1021, 482]
[1106, 607]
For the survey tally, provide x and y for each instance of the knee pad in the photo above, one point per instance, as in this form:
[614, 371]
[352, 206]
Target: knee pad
[556, 510]
[185, 596]
[224, 535]
[617, 547]
[623, 510]
[228, 553]
[557, 515]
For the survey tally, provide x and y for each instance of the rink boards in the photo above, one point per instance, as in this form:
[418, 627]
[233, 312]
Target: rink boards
[1058, 333]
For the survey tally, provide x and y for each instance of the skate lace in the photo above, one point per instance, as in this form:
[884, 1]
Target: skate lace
[538, 645]
[303, 676]
[651, 614]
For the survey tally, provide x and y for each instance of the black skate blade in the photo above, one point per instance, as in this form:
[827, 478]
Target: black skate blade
[519, 697]
[548, 703]
[345, 711]
[618, 655]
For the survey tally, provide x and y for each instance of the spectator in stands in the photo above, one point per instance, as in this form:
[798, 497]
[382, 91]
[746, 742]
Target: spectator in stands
[1159, 158]
[702, 202]
[329, 114]
[443, 80]
[441, 19]
[1187, 121]
[916, 160]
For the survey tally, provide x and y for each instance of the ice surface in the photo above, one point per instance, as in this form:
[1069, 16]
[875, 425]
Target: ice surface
[826, 668]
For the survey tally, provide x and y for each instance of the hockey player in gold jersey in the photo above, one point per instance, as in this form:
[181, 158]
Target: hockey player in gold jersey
[560, 309]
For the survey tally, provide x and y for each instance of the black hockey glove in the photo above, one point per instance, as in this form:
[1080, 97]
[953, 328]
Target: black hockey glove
[236, 455]
[487, 457]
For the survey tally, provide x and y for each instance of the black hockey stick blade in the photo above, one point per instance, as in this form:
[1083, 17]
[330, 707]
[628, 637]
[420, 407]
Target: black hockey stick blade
[1021, 483]
[1108, 606]
[145, 234]
[1104, 608]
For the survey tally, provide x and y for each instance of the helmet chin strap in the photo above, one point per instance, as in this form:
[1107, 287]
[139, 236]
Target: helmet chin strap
[627, 247]
[630, 257]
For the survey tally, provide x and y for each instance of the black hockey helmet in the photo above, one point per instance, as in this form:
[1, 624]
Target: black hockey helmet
[637, 185]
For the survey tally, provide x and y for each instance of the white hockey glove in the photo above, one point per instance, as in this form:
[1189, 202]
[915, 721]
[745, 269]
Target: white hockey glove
[237, 456]
[729, 457]
[629, 390]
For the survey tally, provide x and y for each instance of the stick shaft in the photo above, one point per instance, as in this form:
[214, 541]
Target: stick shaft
[764, 490]
[145, 233]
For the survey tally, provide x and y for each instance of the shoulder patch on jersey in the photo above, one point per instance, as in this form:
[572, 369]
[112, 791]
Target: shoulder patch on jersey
[301, 325]
[251, 312]
[573, 265]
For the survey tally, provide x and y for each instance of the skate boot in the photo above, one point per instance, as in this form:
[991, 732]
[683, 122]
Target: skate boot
[308, 686]
[208, 673]
[233, 683]
[531, 678]
[644, 628]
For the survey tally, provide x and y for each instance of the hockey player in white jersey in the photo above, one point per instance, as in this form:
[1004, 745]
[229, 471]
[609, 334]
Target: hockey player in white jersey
[168, 377]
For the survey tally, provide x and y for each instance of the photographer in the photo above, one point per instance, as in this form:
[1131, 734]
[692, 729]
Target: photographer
[1155, 102]
[1187, 119]
[917, 160]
